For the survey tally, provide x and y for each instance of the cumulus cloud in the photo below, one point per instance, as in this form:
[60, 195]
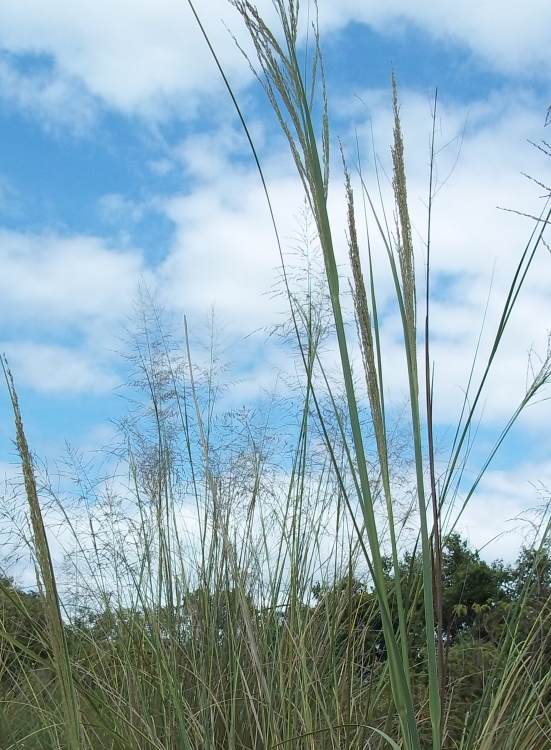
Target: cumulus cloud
[149, 56]
[47, 94]
[65, 281]
[225, 251]
[63, 300]
[475, 246]
[136, 55]
[506, 511]
[511, 37]
[51, 368]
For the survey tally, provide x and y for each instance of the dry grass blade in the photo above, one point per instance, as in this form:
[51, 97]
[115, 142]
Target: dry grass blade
[56, 629]
[403, 226]
[283, 82]
[365, 336]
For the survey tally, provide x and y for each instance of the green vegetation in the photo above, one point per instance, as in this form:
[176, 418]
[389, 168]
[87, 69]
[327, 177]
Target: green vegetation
[334, 647]
[319, 596]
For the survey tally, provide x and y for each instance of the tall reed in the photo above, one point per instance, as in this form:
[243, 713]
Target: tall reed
[220, 595]
[292, 97]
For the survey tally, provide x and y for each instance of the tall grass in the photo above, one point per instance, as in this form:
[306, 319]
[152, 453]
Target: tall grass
[245, 626]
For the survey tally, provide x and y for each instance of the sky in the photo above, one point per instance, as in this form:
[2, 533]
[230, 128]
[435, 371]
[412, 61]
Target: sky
[122, 163]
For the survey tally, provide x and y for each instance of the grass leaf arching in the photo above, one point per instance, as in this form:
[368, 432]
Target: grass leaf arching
[255, 625]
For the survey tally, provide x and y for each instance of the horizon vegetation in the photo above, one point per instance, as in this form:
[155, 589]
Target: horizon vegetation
[323, 598]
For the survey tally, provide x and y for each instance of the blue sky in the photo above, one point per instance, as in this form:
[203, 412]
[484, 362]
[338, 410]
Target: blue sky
[122, 161]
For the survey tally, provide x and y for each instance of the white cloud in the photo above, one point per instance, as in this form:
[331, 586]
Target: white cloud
[63, 300]
[225, 252]
[47, 95]
[149, 56]
[511, 36]
[140, 55]
[505, 512]
[51, 368]
[65, 282]
[475, 246]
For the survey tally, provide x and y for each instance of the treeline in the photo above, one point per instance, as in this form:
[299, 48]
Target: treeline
[480, 612]
[199, 650]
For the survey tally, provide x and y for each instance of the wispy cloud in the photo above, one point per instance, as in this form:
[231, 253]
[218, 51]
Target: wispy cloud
[507, 509]
[136, 56]
[57, 281]
[63, 301]
[63, 370]
[149, 57]
[511, 37]
[65, 293]
[47, 95]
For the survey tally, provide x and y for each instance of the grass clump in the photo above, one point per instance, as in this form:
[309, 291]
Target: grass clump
[288, 610]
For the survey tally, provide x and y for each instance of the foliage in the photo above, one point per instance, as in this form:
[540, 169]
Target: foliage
[341, 629]
[22, 617]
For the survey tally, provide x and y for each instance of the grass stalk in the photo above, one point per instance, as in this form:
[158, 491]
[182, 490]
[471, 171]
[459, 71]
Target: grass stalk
[46, 578]
[256, 625]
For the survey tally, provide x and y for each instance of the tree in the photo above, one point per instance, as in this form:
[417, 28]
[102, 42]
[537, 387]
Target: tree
[22, 619]
[471, 588]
